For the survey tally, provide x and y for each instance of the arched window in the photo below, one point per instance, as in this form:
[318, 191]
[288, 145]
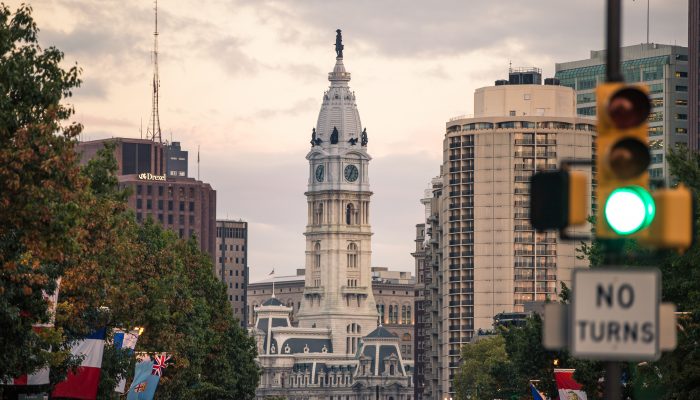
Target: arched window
[317, 256]
[318, 214]
[349, 214]
[352, 255]
[406, 337]
[408, 314]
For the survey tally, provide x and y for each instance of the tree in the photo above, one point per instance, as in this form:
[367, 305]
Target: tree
[40, 217]
[483, 363]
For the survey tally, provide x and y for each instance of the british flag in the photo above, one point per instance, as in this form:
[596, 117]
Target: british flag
[159, 364]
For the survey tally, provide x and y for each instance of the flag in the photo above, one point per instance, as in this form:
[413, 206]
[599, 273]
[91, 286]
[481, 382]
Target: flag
[536, 394]
[83, 383]
[40, 377]
[124, 340]
[568, 388]
[272, 273]
[160, 363]
[144, 385]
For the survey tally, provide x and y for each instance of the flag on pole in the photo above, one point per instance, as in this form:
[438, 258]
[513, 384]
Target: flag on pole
[568, 388]
[536, 394]
[144, 385]
[147, 376]
[83, 383]
[272, 272]
[124, 340]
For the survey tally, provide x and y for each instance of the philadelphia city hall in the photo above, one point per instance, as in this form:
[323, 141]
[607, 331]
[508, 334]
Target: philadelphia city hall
[338, 351]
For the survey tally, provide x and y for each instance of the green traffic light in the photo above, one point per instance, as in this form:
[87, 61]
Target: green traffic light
[629, 209]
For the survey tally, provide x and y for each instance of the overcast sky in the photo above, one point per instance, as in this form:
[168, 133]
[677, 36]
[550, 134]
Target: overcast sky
[244, 79]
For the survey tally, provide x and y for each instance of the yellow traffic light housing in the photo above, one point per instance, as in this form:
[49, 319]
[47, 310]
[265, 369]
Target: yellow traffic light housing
[673, 226]
[625, 205]
[558, 199]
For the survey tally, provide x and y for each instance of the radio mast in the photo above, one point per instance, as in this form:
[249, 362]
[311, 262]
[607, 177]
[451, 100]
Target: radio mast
[153, 128]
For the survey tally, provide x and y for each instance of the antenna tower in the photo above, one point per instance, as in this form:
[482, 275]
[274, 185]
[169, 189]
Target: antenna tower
[153, 128]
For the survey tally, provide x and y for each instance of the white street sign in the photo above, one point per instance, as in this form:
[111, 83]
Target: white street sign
[615, 314]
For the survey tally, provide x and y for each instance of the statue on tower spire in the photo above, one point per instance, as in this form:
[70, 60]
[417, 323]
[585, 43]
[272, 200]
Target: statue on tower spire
[339, 43]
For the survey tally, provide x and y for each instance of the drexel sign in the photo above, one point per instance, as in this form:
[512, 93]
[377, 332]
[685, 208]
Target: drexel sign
[150, 177]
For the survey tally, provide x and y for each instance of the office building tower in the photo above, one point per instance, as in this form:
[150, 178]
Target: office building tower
[664, 69]
[231, 264]
[694, 74]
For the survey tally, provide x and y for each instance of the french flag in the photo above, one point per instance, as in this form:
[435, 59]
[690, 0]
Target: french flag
[40, 377]
[567, 385]
[83, 383]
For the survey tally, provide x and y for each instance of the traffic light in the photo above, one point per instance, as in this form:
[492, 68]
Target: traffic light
[558, 199]
[625, 205]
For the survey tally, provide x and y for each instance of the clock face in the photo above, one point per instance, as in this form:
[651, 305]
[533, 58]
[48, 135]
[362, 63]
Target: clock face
[351, 173]
[319, 173]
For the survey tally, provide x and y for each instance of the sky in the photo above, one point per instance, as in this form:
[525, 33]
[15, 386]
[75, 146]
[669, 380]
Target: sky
[242, 80]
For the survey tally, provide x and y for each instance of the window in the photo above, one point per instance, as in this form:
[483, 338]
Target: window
[656, 116]
[656, 130]
[681, 130]
[149, 204]
[350, 214]
[160, 204]
[181, 219]
[191, 219]
[149, 190]
[511, 113]
[139, 217]
[160, 190]
[317, 256]
[656, 173]
[170, 205]
[139, 203]
[182, 205]
[352, 255]
[681, 74]
[586, 110]
[681, 88]
[657, 158]
[170, 219]
[160, 218]
[138, 189]
[681, 102]
[682, 116]
[191, 205]
[585, 98]
[657, 102]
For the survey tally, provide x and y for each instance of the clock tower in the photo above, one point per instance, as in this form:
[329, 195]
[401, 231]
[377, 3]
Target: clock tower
[338, 288]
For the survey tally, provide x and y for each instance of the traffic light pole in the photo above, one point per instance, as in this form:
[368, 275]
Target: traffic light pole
[613, 369]
[613, 41]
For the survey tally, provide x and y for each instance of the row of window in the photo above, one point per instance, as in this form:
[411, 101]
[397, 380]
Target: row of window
[231, 259]
[393, 316]
[237, 233]
[171, 219]
[232, 247]
[171, 204]
[149, 191]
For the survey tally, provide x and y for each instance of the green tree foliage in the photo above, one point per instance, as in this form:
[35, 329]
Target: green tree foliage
[486, 371]
[40, 191]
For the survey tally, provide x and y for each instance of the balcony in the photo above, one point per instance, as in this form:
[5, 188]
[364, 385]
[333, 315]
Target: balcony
[353, 290]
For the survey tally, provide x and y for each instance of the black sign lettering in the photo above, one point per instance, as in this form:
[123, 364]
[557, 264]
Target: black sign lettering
[647, 332]
[603, 293]
[625, 301]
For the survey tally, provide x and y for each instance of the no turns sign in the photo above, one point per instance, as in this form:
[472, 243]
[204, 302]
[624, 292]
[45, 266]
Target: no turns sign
[615, 314]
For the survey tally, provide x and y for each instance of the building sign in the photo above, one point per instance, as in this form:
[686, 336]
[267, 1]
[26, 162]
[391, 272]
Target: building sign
[150, 177]
[615, 314]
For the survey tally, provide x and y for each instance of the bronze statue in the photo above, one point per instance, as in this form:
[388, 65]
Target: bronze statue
[313, 137]
[364, 137]
[339, 43]
[334, 136]
[352, 141]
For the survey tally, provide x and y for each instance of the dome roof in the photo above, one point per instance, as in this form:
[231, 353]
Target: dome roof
[272, 301]
[381, 332]
[339, 111]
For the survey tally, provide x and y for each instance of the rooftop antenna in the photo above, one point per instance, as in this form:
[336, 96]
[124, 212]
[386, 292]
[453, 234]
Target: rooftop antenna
[153, 130]
[197, 162]
[510, 66]
[141, 128]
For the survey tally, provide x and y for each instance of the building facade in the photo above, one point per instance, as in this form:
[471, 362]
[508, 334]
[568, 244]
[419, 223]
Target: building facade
[664, 69]
[484, 256]
[176, 159]
[339, 349]
[694, 75]
[390, 293]
[184, 205]
[231, 264]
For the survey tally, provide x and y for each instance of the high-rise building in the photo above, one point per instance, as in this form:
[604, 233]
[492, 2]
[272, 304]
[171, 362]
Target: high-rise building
[184, 205]
[339, 348]
[485, 255]
[231, 264]
[664, 69]
[694, 74]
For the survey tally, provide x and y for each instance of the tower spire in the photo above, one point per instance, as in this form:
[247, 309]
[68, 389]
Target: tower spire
[153, 129]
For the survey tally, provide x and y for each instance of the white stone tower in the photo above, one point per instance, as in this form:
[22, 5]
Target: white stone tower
[338, 289]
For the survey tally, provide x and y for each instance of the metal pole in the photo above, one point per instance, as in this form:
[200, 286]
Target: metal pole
[648, 21]
[613, 378]
[613, 41]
